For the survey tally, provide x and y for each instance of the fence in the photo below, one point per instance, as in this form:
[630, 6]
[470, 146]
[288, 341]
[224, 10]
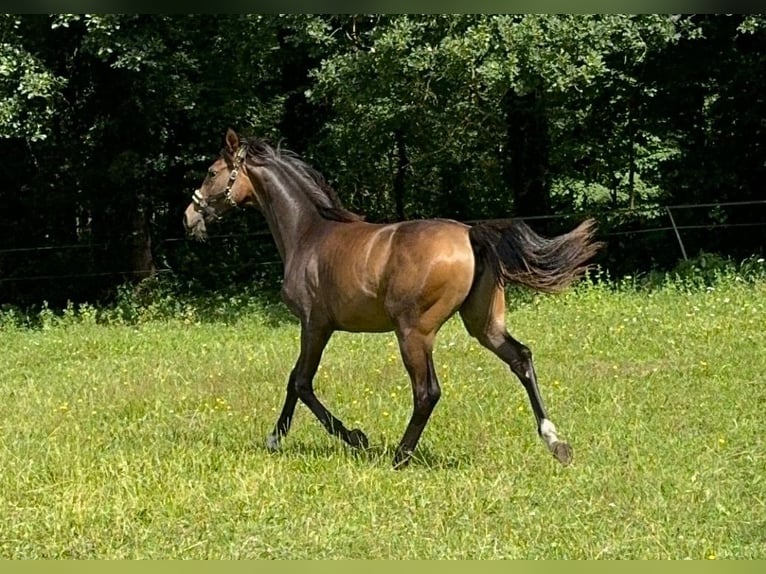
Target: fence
[621, 226]
[667, 209]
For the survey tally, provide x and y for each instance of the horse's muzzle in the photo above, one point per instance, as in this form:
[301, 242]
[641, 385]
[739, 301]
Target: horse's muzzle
[194, 223]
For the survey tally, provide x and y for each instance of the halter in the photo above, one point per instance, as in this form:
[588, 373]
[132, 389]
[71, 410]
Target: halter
[204, 203]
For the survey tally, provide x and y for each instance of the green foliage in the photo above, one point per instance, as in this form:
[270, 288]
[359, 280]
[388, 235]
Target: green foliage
[29, 92]
[710, 269]
[441, 81]
[107, 122]
[752, 24]
[164, 298]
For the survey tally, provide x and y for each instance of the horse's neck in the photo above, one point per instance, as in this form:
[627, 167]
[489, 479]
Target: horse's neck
[290, 215]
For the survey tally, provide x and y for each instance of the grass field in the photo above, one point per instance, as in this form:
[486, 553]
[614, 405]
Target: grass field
[146, 440]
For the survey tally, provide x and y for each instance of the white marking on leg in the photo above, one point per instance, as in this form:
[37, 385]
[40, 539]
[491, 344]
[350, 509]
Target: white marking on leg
[272, 442]
[548, 432]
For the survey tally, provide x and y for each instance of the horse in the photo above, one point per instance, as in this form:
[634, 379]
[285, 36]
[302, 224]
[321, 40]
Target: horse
[342, 273]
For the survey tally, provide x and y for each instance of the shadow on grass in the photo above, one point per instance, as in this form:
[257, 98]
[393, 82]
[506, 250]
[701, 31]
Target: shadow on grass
[376, 455]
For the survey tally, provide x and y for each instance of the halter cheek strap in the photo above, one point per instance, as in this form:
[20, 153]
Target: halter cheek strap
[204, 203]
[239, 158]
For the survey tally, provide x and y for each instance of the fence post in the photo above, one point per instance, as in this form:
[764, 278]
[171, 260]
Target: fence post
[678, 235]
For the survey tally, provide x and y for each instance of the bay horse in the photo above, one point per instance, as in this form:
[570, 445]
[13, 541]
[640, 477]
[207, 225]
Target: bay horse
[344, 274]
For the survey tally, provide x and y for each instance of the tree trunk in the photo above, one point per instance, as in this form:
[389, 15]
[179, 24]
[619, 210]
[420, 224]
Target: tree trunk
[301, 119]
[631, 155]
[527, 150]
[141, 260]
[453, 202]
[402, 162]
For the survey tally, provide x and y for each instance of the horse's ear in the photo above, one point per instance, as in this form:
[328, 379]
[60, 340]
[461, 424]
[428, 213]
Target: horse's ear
[232, 141]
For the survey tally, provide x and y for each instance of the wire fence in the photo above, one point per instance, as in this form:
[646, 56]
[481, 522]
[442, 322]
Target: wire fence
[614, 228]
[667, 209]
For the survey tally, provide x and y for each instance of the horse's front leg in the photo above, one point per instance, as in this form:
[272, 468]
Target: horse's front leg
[301, 386]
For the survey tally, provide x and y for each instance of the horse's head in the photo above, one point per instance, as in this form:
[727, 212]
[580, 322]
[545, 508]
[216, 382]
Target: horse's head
[221, 190]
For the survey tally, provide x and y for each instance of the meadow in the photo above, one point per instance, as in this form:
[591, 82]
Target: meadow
[140, 434]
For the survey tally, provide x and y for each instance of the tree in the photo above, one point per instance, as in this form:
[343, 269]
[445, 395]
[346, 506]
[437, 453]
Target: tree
[502, 97]
[126, 106]
[107, 122]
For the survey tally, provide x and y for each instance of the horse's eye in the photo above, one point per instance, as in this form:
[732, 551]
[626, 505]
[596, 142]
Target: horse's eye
[211, 173]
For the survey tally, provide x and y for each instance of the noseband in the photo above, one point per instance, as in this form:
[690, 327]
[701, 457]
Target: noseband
[203, 203]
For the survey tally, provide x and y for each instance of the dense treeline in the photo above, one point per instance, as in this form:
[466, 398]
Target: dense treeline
[109, 121]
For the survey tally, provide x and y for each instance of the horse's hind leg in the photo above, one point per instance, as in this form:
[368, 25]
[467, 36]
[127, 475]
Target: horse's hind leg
[416, 349]
[483, 314]
[301, 386]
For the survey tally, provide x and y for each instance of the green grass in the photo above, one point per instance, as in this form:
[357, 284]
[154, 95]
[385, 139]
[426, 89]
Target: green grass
[146, 441]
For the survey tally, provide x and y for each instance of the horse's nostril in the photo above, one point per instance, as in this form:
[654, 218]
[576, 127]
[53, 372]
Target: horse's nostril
[194, 224]
[191, 221]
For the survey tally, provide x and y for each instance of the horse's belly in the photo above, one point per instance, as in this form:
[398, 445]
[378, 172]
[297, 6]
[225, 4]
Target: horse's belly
[361, 314]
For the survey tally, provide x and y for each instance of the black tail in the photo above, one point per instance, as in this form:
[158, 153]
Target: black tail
[517, 254]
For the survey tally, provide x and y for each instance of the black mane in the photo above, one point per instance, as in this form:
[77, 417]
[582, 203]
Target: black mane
[316, 188]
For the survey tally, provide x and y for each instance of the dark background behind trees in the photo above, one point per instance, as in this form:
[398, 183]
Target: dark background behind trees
[109, 121]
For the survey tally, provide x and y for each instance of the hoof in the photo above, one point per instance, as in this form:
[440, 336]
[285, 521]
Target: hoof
[563, 452]
[272, 443]
[358, 439]
[402, 459]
